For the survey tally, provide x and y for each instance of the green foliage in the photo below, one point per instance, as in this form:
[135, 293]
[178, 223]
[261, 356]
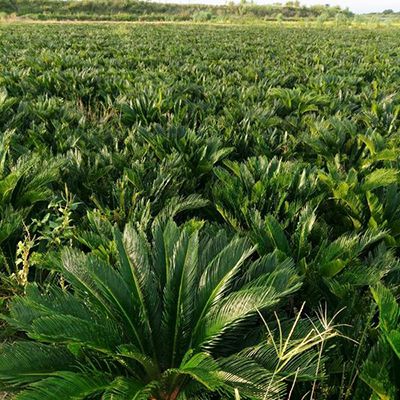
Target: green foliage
[163, 321]
[202, 16]
[133, 10]
[380, 369]
[165, 189]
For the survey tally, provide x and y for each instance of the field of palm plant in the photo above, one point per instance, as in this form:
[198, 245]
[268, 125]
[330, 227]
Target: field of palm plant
[199, 212]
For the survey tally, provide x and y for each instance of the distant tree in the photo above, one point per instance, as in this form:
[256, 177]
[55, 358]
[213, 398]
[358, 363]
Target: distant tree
[340, 19]
[323, 18]
[293, 4]
[348, 13]
[388, 11]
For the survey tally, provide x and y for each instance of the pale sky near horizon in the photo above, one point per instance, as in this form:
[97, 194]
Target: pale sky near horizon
[358, 6]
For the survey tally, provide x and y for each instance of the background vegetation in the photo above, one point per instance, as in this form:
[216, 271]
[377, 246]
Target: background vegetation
[133, 10]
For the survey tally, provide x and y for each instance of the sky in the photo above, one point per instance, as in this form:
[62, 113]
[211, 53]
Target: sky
[357, 6]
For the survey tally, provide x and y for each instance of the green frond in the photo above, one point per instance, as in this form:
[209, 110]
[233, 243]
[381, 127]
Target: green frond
[107, 289]
[66, 385]
[24, 362]
[102, 335]
[379, 178]
[389, 310]
[250, 379]
[201, 368]
[216, 280]
[376, 371]
[276, 235]
[133, 353]
[123, 388]
[138, 274]
[165, 236]
[177, 205]
[25, 309]
[235, 308]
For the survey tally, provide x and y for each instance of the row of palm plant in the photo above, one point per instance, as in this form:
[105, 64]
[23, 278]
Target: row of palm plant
[173, 211]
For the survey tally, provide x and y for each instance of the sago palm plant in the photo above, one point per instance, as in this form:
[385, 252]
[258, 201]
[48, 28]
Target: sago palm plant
[26, 186]
[380, 369]
[276, 187]
[170, 319]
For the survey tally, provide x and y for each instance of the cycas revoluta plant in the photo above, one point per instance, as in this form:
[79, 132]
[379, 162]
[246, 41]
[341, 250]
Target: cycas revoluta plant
[380, 370]
[241, 190]
[163, 320]
[24, 184]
